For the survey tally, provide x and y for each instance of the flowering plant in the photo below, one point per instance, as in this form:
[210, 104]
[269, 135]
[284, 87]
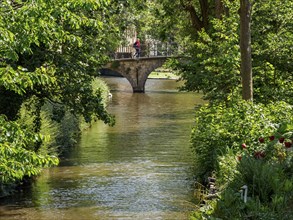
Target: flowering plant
[276, 147]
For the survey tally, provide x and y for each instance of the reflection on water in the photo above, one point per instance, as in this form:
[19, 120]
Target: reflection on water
[139, 169]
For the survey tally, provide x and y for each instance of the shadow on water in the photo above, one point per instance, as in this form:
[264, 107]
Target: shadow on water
[142, 168]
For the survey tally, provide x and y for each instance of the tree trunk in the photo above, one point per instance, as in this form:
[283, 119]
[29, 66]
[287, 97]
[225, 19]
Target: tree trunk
[219, 9]
[196, 22]
[204, 7]
[245, 48]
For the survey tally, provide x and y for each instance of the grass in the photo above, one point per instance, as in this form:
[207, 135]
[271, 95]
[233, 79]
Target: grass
[162, 73]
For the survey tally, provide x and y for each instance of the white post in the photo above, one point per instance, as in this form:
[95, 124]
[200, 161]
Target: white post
[245, 188]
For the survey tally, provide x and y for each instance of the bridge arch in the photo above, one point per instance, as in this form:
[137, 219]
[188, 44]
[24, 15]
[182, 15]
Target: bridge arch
[136, 71]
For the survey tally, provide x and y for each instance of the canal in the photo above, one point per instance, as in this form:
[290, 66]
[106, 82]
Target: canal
[142, 168]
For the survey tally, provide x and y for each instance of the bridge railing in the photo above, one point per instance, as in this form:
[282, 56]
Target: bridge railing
[150, 49]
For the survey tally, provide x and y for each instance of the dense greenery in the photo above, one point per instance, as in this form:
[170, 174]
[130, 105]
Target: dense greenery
[209, 71]
[50, 53]
[219, 129]
[18, 158]
[246, 144]
[213, 64]
[272, 39]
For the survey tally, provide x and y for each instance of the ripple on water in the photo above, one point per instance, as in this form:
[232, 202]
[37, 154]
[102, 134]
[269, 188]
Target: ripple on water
[138, 169]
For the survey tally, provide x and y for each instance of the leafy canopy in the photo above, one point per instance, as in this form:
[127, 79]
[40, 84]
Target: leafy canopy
[50, 51]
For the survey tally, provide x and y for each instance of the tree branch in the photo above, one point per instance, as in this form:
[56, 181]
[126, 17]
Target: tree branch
[196, 21]
[204, 6]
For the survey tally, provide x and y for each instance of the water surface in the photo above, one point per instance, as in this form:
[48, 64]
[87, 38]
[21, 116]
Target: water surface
[142, 168]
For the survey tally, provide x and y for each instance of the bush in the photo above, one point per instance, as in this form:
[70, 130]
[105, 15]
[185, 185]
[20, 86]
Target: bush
[246, 144]
[220, 128]
[269, 182]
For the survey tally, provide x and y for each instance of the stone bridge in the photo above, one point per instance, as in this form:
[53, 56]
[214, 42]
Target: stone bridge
[137, 70]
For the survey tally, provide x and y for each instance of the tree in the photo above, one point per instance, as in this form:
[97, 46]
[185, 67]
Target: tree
[272, 34]
[214, 64]
[56, 49]
[50, 51]
[245, 48]
[17, 157]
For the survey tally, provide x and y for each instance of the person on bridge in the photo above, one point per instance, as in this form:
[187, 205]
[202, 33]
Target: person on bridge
[136, 45]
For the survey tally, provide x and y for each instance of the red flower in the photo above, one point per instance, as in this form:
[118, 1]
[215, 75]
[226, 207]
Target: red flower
[259, 154]
[281, 139]
[243, 146]
[288, 144]
[261, 140]
[272, 138]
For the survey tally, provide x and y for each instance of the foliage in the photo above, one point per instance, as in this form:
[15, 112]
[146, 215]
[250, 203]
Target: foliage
[213, 62]
[246, 144]
[154, 19]
[57, 133]
[53, 50]
[219, 128]
[61, 127]
[50, 52]
[176, 20]
[18, 158]
[272, 40]
[207, 70]
[269, 182]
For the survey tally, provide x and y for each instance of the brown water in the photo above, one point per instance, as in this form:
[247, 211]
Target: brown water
[140, 169]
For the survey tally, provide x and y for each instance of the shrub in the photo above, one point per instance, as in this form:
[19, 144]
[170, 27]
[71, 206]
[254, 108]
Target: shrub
[220, 128]
[252, 145]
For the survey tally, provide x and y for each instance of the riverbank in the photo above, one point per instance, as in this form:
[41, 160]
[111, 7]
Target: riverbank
[162, 73]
